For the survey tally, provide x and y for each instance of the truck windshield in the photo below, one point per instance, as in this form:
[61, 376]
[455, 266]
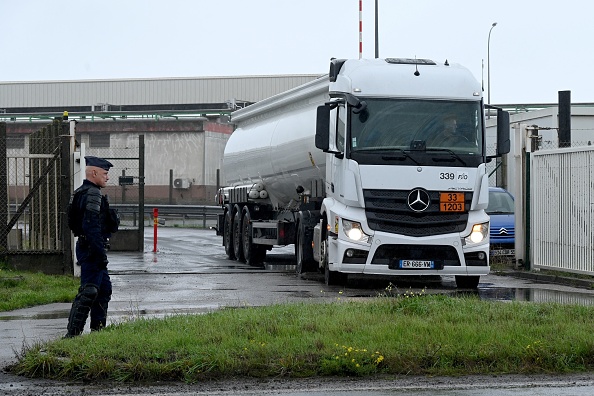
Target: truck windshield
[429, 126]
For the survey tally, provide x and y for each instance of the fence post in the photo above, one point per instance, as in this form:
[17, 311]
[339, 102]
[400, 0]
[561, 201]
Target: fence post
[3, 186]
[65, 191]
[141, 193]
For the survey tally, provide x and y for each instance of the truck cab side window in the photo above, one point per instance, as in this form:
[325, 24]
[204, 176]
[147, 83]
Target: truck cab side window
[341, 129]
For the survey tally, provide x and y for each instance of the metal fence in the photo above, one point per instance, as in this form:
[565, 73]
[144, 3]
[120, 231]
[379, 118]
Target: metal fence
[492, 167]
[125, 186]
[562, 209]
[33, 194]
[173, 215]
[36, 182]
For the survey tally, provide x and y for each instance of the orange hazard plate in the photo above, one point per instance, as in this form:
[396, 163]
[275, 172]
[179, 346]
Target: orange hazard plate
[451, 202]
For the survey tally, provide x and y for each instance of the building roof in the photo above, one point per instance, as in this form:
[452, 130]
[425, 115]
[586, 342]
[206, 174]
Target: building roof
[183, 93]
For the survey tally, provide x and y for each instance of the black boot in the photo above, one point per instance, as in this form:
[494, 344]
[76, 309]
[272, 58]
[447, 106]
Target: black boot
[97, 325]
[80, 310]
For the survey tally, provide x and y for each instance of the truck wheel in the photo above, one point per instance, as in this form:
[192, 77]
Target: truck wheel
[467, 282]
[237, 240]
[251, 252]
[334, 277]
[228, 234]
[331, 277]
[303, 253]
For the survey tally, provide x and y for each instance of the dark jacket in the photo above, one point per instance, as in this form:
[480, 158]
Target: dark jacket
[90, 219]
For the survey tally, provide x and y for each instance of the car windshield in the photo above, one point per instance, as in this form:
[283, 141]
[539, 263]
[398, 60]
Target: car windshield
[500, 202]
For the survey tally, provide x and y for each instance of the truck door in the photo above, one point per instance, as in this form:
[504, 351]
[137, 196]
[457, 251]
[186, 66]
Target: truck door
[337, 160]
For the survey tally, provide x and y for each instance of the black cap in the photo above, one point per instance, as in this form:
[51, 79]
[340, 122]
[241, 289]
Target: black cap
[98, 162]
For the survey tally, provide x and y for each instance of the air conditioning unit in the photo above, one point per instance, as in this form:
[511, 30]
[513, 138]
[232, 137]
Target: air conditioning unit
[182, 183]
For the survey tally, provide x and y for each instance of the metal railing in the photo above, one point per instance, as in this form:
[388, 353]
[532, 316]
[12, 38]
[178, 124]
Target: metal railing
[194, 215]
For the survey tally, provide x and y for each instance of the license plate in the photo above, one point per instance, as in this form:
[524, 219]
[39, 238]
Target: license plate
[451, 202]
[503, 252]
[417, 264]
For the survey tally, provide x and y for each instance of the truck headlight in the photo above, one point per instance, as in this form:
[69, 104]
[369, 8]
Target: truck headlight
[478, 234]
[354, 231]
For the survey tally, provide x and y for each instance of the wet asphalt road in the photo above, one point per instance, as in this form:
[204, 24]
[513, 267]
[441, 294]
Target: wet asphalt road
[190, 274]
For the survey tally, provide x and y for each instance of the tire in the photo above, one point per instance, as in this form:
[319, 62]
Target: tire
[331, 277]
[251, 252]
[467, 282]
[228, 234]
[303, 253]
[237, 237]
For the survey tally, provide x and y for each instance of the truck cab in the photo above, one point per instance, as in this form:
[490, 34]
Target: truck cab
[406, 182]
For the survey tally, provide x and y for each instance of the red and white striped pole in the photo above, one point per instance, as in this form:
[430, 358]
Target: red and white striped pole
[360, 29]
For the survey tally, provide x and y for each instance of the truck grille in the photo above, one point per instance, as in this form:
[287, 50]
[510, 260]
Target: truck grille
[440, 254]
[388, 211]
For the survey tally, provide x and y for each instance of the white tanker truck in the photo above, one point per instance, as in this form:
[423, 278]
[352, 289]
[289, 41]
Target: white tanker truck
[377, 168]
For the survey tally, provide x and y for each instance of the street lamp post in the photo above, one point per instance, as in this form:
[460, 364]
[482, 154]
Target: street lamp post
[489, 64]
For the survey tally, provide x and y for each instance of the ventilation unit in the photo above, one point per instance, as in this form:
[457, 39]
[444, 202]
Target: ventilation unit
[182, 183]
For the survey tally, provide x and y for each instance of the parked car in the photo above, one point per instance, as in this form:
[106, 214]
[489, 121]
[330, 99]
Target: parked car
[502, 228]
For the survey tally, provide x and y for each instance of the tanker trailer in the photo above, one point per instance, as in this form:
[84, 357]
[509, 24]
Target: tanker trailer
[376, 168]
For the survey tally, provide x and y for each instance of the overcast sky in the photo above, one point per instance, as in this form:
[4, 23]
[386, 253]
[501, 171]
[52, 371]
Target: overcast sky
[538, 47]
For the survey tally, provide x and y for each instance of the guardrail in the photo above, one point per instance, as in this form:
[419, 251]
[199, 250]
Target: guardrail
[186, 213]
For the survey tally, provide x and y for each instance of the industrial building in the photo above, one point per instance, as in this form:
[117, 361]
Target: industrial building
[184, 122]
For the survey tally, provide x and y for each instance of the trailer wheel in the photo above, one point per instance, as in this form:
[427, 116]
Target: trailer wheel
[303, 252]
[467, 282]
[228, 234]
[254, 254]
[237, 240]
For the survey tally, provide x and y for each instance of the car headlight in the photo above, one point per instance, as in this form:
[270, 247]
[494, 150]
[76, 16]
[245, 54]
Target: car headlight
[354, 231]
[479, 233]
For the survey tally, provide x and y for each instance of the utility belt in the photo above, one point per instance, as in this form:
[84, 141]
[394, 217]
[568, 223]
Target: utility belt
[84, 241]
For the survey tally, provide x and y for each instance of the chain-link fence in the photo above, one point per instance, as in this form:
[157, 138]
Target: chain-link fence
[125, 177]
[125, 188]
[35, 187]
[545, 144]
[493, 166]
[33, 192]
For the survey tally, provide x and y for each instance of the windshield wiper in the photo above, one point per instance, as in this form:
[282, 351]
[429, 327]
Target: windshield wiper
[454, 155]
[405, 155]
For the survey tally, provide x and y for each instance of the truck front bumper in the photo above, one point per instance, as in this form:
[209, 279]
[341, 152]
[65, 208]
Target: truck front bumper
[442, 254]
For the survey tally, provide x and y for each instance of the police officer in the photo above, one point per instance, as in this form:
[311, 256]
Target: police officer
[92, 221]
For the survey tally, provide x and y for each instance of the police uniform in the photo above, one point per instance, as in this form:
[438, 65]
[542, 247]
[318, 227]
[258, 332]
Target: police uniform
[92, 221]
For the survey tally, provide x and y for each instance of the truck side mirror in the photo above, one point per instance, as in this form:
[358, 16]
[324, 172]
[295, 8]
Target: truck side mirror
[503, 142]
[323, 128]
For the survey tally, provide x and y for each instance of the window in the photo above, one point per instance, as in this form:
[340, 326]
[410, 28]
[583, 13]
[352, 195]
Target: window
[341, 129]
[14, 141]
[98, 139]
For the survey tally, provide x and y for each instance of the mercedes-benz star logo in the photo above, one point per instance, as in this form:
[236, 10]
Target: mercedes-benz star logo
[418, 200]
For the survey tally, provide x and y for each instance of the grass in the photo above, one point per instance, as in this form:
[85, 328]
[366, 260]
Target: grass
[394, 335]
[20, 289]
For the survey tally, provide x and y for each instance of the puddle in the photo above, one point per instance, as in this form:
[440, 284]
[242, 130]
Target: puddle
[279, 267]
[535, 295]
[41, 315]
[504, 294]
